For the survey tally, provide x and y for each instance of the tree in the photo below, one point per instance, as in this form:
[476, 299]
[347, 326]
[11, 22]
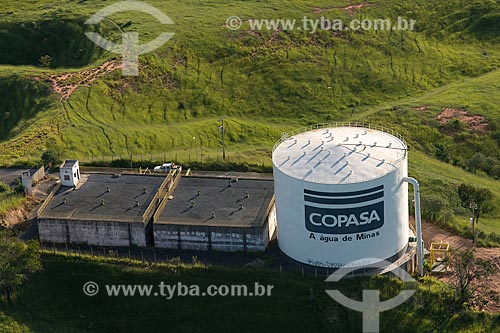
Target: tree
[487, 164]
[469, 276]
[481, 196]
[456, 125]
[442, 152]
[50, 156]
[434, 206]
[495, 170]
[17, 260]
[476, 162]
[45, 61]
[4, 187]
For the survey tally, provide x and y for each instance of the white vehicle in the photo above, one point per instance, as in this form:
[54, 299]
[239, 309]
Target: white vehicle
[166, 167]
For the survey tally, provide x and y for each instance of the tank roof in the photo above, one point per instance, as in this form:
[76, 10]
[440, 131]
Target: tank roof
[339, 154]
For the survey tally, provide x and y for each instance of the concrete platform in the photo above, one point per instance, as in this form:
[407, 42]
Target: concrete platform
[242, 203]
[120, 202]
[103, 210]
[9, 176]
[218, 213]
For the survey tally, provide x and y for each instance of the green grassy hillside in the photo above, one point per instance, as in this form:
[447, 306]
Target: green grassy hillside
[263, 82]
[260, 79]
[9, 199]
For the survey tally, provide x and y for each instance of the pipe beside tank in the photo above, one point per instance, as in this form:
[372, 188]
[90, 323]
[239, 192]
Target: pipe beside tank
[418, 224]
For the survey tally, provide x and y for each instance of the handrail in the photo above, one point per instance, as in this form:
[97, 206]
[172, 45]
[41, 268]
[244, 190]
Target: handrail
[170, 189]
[162, 205]
[48, 200]
[158, 194]
[349, 179]
[176, 180]
[107, 170]
[163, 192]
[286, 136]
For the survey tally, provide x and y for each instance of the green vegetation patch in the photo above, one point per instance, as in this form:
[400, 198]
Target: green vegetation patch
[48, 43]
[21, 100]
[9, 199]
[53, 301]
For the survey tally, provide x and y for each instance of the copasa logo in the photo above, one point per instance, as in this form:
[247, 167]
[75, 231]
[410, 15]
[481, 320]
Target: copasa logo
[344, 212]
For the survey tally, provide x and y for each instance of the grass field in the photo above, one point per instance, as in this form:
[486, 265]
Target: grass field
[53, 301]
[9, 199]
[263, 82]
[256, 79]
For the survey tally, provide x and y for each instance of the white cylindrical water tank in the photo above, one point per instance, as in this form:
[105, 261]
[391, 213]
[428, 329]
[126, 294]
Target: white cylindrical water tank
[340, 195]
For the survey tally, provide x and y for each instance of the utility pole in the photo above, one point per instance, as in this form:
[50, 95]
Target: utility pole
[196, 148]
[222, 129]
[473, 207]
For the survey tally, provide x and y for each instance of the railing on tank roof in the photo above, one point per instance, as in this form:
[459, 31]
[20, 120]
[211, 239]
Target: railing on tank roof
[285, 135]
[314, 178]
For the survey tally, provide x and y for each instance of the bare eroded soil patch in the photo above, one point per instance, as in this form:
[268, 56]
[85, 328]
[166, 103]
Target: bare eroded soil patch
[65, 84]
[432, 233]
[474, 123]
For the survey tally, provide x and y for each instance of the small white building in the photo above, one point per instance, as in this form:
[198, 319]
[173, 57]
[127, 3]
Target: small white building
[70, 173]
[27, 182]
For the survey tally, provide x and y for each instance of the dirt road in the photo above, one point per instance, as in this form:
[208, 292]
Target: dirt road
[432, 233]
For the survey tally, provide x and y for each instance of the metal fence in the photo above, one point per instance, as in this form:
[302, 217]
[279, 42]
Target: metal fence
[38, 175]
[188, 156]
[136, 159]
[148, 257]
[401, 153]
[286, 136]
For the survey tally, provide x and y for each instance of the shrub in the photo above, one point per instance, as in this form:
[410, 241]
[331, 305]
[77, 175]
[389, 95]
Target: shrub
[51, 155]
[4, 188]
[45, 61]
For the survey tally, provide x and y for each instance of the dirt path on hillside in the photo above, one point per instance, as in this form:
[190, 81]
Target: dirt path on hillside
[66, 83]
[16, 218]
[432, 233]
[21, 218]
